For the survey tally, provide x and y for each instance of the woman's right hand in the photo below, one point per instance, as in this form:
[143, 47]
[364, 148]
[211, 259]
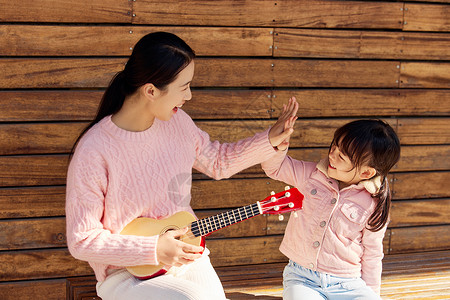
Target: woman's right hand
[173, 252]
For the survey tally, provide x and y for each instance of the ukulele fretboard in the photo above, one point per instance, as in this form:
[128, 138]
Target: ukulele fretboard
[207, 225]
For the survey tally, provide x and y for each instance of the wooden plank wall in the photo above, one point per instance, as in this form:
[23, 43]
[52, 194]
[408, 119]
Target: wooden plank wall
[343, 60]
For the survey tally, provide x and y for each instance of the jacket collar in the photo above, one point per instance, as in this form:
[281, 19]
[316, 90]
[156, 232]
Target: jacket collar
[371, 185]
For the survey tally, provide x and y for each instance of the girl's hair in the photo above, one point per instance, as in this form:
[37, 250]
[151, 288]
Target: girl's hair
[157, 58]
[375, 144]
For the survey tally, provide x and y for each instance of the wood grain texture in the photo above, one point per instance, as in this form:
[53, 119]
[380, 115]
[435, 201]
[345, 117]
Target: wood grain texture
[46, 105]
[420, 212]
[32, 202]
[287, 13]
[421, 185]
[360, 44]
[33, 170]
[426, 17]
[422, 131]
[33, 40]
[66, 11]
[416, 239]
[317, 103]
[59, 137]
[54, 289]
[228, 72]
[425, 75]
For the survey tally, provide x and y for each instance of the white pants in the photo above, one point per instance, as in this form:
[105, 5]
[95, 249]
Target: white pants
[197, 281]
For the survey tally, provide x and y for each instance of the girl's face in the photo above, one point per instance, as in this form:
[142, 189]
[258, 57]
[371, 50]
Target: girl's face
[342, 169]
[175, 95]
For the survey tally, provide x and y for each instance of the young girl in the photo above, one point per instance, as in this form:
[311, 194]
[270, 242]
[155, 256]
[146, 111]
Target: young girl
[135, 160]
[335, 242]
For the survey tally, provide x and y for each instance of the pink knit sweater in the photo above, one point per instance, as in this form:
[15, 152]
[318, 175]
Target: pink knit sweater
[116, 176]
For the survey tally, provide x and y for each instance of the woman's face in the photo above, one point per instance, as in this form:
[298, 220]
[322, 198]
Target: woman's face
[175, 95]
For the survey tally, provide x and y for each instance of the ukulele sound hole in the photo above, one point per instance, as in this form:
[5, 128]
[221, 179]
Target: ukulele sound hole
[170, 228]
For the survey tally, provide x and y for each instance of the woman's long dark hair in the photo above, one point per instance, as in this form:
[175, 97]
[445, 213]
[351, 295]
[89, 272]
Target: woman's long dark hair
[375, 144]
[157, 58]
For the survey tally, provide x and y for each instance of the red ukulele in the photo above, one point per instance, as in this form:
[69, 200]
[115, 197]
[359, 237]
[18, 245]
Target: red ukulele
[282, 202]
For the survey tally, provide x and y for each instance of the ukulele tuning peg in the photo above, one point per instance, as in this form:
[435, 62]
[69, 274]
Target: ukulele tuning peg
[281, 217]
[291, 205]
[272, 193]
[273, 199]
[287, 188]
[287, 194]
[276, 208]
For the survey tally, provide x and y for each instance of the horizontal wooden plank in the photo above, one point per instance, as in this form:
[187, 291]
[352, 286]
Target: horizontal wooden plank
[421, 185]
[329, 73]
[32, 202]
[66, 11]
[51, 169]
[426, 17]
[424, 75]
[39, 138]
[54, 289]
[33, 233]
[420, 212]
[289, 13]
[365, 102]
[32, 40]
[207, 194]
[58, 72]
[243, 251]
[25, 138]
[415, 239]
[422, 131]
[411, 263]
[423, 158]
[210, 72]
[41, 264]
[33, 170]
[21, 106]
[360, 44]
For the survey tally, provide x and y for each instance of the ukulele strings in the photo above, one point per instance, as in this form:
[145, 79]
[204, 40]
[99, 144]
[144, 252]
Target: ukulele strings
[197, 231]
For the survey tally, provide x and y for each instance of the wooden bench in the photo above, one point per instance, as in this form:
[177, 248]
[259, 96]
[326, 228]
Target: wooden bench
[424, 275]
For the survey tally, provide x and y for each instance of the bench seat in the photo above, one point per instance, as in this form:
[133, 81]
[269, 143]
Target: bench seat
[424, 275]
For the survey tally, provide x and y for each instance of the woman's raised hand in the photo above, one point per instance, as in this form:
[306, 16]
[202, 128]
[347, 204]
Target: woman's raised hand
[173, 252]
[280, 133]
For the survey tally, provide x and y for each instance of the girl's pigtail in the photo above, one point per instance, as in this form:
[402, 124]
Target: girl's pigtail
[380, 216]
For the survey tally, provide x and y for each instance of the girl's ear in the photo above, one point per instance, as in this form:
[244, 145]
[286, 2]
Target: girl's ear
[368, 172]
[150, 91]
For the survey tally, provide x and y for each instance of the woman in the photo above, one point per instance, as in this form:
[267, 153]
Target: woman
[127, 163]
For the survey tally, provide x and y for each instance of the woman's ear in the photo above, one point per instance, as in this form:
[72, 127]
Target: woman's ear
[368, 172]
[150, 91]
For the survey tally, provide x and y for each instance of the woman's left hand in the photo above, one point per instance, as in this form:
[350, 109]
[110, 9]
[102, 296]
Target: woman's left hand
[280, 132]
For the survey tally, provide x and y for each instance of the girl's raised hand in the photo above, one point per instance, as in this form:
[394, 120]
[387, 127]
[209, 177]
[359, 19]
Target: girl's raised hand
[280, 132]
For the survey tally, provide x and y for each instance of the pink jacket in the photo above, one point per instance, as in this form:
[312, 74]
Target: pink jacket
[329, 234]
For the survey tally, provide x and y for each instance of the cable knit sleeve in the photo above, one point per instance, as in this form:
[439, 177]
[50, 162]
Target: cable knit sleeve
[224, 160]
[371, 261]
[87, 239]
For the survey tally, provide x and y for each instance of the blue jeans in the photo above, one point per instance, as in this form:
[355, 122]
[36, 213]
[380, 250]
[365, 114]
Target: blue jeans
[302, 283]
